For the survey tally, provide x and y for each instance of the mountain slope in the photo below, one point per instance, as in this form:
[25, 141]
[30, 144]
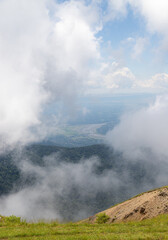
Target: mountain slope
[105, 178]
[144, 206]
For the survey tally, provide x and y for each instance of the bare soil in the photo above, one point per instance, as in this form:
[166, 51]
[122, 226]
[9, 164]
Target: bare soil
[144, 206]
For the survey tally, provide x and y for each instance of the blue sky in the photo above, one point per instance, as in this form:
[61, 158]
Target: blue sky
[123, 32]
[131, 38]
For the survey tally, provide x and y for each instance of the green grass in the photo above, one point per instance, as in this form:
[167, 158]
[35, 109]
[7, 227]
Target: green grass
[14, 228]
[102, 218]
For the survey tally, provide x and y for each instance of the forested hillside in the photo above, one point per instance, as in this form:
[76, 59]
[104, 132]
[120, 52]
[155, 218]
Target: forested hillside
[119, 178]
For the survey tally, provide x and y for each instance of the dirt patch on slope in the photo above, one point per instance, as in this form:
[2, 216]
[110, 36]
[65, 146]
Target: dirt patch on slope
[147, 205]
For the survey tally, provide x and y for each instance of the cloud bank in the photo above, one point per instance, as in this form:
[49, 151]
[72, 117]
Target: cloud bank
[70, 191]
[46, 50]
[62, 191]
[142, 132]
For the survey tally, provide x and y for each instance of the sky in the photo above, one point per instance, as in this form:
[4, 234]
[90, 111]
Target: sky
[59, 51]
[133, 46]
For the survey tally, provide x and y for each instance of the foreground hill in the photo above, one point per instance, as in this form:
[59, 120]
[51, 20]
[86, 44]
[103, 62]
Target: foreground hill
[144, 206]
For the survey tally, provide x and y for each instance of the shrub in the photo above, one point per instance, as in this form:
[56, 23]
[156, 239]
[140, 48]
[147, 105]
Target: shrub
[13, 219]
[102, 218]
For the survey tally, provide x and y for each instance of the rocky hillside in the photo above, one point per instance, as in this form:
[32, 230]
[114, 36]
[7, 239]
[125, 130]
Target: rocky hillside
[144, 206]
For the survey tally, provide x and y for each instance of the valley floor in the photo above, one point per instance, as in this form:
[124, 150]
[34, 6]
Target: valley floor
[13, 228]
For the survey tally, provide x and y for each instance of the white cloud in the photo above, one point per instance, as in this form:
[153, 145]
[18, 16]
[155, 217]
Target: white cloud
[21, 76]
[158, 82]
[155, 16]
[120, 78]
[74, 36]
[46, 50]
[111, 77]
[143, 132]
[116, 9]
[114, 77]
[139, 47]
[154, 12]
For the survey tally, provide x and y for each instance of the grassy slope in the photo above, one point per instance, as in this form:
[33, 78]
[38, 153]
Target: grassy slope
[13, 228]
